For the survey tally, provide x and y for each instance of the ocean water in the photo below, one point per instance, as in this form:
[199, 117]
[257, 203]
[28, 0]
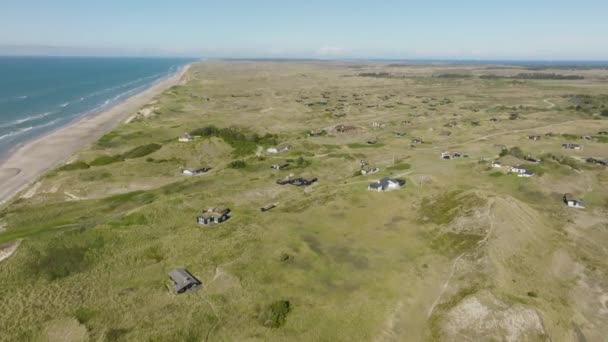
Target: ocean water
[40, 94]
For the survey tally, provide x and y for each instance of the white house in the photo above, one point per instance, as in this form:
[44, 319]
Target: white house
[526, 174]
[386, 184]
[573, 203]
[496, 164]
[194, 172]
[570, 146]
[521, 171]
[277, 149]
[186, 137]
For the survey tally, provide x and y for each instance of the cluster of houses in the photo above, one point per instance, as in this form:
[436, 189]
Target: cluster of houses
[213, 216]
[386, 184]
[520, 171]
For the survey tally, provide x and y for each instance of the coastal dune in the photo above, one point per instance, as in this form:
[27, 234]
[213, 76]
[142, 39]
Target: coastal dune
[31, 160]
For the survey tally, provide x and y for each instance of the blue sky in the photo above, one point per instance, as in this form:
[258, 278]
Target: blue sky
[474, 29]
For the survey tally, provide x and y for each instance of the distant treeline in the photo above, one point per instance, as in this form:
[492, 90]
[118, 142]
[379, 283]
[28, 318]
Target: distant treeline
[453, 76]
[376, 74]
[535, 76]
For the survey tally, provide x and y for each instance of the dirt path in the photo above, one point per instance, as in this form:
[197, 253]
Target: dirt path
[549, 103]
[459, 258]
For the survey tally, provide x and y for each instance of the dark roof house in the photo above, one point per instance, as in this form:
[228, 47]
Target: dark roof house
[386, 184]
[213, 216]
[183, 280]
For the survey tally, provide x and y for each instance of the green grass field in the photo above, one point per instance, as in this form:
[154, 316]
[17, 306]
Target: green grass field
[461, 243]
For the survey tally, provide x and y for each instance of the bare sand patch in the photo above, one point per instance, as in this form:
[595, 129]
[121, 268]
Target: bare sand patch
[484, 315]
[6, 250]
[65, 330]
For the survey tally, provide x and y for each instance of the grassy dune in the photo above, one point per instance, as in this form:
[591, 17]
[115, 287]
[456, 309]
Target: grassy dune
[462, 243]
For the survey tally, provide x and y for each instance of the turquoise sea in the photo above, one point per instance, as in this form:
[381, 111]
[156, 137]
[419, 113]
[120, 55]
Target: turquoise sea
[40, 94]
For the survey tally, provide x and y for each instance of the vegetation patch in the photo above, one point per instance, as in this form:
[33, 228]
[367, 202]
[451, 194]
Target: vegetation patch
[64, 257]
[237, 164]
[141, 151]
[360, 145]
[77, 165]
[444, 208]
[275, 314]
[106, 160]
[399, 167]
[451, 243]
[242, 142]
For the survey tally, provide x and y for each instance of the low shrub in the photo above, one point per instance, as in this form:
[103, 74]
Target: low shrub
[237, 164]
[105, 160]
[141, 151]
[275, 314]
[77, 165]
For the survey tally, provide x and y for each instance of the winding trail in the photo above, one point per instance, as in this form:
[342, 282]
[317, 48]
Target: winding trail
[549, 103]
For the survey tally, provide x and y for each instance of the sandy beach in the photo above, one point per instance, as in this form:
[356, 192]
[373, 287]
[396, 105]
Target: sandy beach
[30, 161]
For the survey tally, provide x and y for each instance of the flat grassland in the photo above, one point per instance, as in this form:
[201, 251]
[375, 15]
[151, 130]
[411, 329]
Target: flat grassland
[464, 251]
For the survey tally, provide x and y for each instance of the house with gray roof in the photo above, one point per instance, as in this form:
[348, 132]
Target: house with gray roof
[183, 280]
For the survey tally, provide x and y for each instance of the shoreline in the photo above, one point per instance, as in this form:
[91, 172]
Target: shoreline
[27, 162]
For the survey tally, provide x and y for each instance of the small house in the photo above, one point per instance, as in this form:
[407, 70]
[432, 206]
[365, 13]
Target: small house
[386, 184]
[183, 280]
[450, 155]
[526, 174]
[315, 133]
[521, 171]
[597, 161]
[344, 128]
[272, 150]
[534, 137]
[279, 166]
[570, 146]
[586, 137]
[213, 216]
[496, 164]
[369, 171]
[532, 159]
[417, 141]
[267, 207]
[572, 202]
[186, 137]
[195, 172]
